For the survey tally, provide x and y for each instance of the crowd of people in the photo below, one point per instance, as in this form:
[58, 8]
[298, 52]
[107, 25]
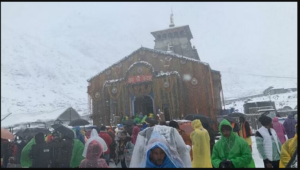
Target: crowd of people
[155, 144]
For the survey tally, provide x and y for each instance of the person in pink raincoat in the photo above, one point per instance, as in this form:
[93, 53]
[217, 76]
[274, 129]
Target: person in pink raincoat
[135, 132]
[92, 159]
[279, 129]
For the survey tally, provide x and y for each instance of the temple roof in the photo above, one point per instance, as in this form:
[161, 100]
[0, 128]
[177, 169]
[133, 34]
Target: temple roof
[155, 51]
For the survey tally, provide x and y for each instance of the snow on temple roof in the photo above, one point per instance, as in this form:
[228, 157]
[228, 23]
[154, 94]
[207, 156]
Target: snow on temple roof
[140, 62]
[155, 51]
[112, 81]
[158, 75]
[167, 73]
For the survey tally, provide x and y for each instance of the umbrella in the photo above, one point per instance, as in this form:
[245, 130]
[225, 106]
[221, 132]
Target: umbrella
[128, 122]
[63, 130]
[187, 127]
[34, 131]
[78, 122]
[236, 114]
[19, 132]
[6, 134]
[202, 118]
[230, 119]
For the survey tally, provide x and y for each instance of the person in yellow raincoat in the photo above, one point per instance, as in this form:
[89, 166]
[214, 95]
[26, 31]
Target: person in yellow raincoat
[288, 149]
[201, 146]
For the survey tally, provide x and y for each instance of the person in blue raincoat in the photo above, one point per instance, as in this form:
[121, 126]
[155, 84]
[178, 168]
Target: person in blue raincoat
[144, 126]
[159, 154]
[79, 136]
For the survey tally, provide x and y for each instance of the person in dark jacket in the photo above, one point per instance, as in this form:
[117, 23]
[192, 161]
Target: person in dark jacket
[65, 152]
[129, 128]
[289, 126]
[212, 135]
[54, 145]
[40, 152]
[124, 150]
[5, 152]
[105, 136]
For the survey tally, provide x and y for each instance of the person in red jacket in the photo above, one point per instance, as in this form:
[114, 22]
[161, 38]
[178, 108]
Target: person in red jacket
[105, 136]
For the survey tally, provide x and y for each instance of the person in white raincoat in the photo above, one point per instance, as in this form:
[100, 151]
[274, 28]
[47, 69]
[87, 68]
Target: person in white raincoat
[178, 149]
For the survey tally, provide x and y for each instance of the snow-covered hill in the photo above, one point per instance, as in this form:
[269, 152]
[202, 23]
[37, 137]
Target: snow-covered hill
[281, 101]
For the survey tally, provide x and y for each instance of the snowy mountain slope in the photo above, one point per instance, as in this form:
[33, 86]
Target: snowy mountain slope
[239, 85]
[36, 76]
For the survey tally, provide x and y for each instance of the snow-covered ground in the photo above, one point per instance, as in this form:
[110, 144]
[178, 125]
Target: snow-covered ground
[281, 100]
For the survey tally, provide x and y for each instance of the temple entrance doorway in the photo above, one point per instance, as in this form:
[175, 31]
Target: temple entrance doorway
[143, 104]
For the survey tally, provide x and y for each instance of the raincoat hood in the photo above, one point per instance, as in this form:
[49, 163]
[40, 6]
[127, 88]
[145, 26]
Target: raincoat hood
[275, 119]
[225, 122]
[94, 136]
[167, 162]
[291, 116]
[196, 124]
[137, 119]
[94, 150]
[155, 141]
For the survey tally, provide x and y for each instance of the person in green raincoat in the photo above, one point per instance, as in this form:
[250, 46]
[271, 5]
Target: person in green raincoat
[231, 151]
[137, 119]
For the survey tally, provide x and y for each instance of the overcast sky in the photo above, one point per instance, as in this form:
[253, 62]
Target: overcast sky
[241, 37]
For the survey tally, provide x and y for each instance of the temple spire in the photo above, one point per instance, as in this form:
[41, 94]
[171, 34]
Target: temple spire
[171, 19]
